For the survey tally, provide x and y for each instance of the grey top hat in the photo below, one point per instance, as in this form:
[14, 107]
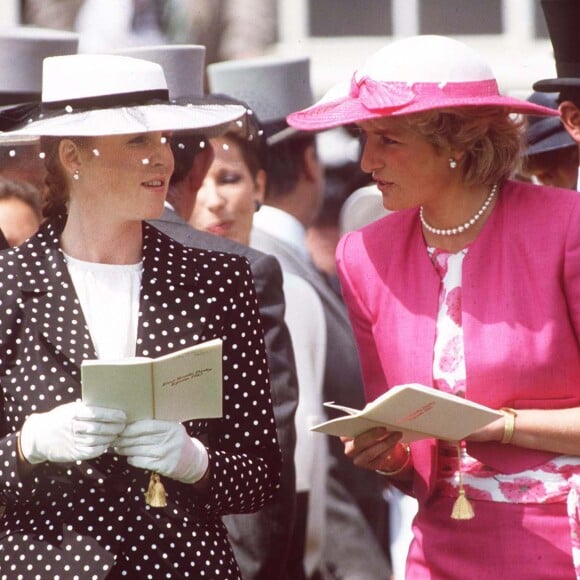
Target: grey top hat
[546, 133]
[104, 94]
[272, 86]
[22, 50]
[563, 18]
[183, 66]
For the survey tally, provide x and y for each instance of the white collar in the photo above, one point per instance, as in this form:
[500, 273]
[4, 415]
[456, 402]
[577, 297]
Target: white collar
[283, 226]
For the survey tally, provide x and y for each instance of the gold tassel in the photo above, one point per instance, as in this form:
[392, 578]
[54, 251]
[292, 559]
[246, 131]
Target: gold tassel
[155, 496]
[462, 508]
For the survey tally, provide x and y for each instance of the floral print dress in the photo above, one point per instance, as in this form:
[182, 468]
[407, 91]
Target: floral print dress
[556, 481]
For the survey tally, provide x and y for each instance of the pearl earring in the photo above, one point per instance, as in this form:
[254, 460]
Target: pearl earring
[452, 163]
[76, 175]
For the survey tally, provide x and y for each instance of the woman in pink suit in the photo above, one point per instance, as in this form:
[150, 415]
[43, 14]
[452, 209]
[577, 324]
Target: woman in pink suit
[472, 287]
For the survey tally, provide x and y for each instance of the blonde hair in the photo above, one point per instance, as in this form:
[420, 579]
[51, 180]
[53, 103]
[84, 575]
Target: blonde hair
[491, 139]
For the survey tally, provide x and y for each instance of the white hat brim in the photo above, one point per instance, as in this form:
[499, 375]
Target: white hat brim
[207, 119]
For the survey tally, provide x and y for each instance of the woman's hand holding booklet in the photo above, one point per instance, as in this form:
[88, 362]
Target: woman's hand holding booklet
[419, 412]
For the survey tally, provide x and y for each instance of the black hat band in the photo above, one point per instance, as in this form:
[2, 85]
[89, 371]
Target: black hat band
[132, 99]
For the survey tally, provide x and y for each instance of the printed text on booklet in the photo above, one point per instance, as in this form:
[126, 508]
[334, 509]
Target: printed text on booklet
[183, 385]
[419, 412]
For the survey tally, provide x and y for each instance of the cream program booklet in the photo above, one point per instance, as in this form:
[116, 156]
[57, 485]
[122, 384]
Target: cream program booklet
[183, 385]
[419, 412]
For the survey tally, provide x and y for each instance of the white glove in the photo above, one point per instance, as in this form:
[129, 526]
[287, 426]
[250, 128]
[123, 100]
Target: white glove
[164, 447]
[70, 432]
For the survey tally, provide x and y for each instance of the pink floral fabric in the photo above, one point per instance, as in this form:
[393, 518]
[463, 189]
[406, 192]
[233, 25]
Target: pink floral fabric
[557, 481]
[449, 358]
[574, 518]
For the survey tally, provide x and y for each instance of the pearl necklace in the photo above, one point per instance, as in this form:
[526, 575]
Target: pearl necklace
[463, 227]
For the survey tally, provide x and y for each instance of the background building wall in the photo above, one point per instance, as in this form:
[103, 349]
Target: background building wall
[339, 34]
[9, 12]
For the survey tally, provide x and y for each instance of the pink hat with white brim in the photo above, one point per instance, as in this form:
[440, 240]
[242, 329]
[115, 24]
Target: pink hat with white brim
[419, 73]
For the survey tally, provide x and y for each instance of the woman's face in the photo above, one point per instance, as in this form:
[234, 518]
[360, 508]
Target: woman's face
[226, 201]
[18, 221]
[126, 176]
[409, 171]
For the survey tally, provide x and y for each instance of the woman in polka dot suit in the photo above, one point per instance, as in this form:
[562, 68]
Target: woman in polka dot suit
[97, 281]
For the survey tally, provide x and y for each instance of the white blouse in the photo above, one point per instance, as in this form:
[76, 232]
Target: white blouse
[109, 298]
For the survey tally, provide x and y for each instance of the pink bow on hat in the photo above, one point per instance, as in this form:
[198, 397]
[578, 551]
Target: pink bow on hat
[381, 95]
[395, 95]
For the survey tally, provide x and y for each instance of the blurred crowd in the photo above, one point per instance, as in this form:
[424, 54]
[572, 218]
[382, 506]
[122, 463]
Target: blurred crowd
[283, 192]
[227, 28]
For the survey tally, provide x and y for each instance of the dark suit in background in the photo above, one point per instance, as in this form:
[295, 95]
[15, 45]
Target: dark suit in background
[261, 540]
[342, 382]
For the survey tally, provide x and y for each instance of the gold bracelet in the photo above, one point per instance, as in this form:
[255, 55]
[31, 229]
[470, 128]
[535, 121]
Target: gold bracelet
[509, 424]
[405, 463]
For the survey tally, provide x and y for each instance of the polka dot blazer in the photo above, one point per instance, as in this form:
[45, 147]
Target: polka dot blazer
[89, 519]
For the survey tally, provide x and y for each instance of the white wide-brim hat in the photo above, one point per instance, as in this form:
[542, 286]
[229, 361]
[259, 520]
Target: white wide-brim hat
[412, 75]
[89, 95]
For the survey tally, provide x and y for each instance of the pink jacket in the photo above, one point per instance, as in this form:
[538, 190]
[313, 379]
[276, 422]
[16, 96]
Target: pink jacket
[520, 311]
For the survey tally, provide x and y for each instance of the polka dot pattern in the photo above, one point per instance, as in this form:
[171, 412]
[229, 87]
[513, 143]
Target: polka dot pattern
[89, 519]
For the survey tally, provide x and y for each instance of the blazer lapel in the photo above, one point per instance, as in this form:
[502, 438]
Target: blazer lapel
[170, 291]
[171, 295]
[54, 306]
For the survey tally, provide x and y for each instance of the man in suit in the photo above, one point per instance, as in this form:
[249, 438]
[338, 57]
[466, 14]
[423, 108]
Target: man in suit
[294, 190]
[562, 17]
[261, 541]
